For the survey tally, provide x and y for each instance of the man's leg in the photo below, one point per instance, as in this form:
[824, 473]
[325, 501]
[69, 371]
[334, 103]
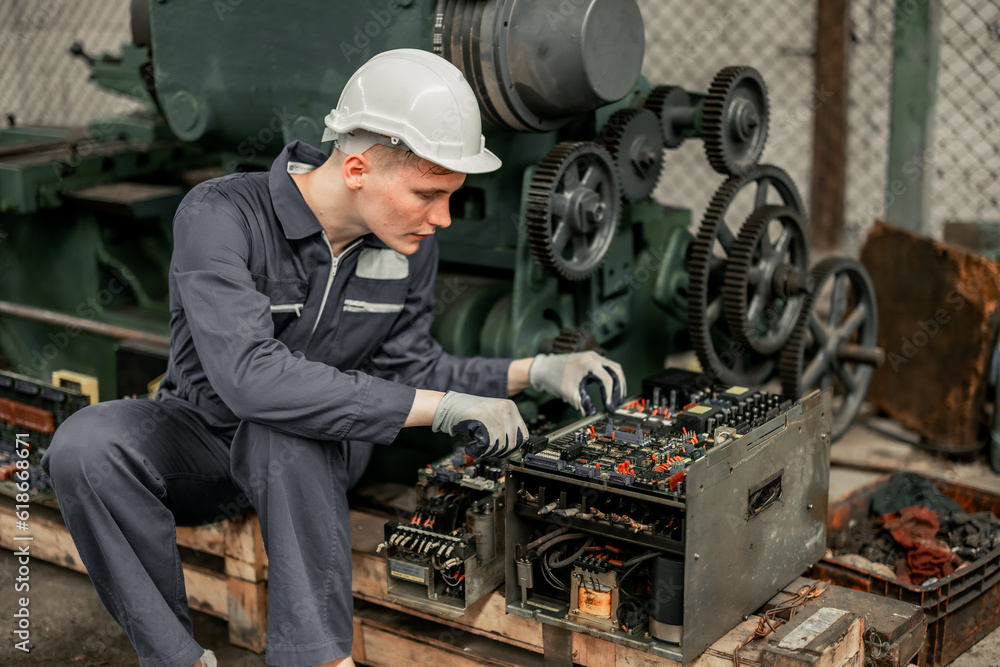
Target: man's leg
[298, 487]
[121, 471]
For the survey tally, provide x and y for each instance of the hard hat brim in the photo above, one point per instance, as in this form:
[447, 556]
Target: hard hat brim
[474, 164]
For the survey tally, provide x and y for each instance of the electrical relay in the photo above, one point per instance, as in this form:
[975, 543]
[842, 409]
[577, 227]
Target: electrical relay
[450, 551]
[635, 525]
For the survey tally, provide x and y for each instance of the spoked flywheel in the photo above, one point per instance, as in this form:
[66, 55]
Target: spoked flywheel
[574, 203]
[836, 342]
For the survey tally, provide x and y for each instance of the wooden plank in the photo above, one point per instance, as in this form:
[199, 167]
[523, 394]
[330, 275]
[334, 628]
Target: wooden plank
[244, 549]
[210, 538]
[392, 638]
[247, 614]
[50, 540]
[358, 643]
[207, 591]
[829, 172]
[486, 618]
[720, 654]
[388, 649]
[592, 652]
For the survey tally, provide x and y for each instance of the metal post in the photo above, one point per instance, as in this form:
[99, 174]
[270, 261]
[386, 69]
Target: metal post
[916, 51]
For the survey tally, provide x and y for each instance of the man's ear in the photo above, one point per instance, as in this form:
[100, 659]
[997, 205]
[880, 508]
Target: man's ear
[354, 170]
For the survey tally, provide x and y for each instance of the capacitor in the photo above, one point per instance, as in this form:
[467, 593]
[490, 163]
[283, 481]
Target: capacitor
[667, 614]
[484, 525]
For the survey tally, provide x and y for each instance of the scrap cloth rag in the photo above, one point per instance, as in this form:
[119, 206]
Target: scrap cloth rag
[915, 529]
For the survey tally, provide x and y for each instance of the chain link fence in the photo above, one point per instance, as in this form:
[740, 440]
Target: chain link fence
[868, 91]
[965, 150]
[966, 156]
[40, 82]
[687, 43]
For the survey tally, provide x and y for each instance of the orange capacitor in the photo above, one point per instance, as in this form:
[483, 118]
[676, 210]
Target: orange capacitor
[675, 480]
[34, 418]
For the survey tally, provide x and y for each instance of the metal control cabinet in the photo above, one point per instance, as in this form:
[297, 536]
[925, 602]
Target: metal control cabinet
[737, 546]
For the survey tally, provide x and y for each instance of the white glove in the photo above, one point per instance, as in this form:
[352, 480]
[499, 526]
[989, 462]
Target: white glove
[567, 375]
[494, 424]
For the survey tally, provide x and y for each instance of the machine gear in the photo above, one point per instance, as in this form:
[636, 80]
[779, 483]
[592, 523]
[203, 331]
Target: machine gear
[767, 278]
[576, 339]
[574, 203]
[836, 341]
[708, 258]
[672, 106]
[734, 123]
[634, 138]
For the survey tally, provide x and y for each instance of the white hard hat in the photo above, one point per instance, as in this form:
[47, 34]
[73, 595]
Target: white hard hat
[423, 101]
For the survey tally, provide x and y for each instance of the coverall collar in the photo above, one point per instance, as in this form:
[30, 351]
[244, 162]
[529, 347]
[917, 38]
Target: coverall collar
[297, 220]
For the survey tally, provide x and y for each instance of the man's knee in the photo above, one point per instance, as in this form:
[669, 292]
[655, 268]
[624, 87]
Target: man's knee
[87, 448]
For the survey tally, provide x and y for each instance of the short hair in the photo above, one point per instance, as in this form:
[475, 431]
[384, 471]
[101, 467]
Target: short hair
[388, 157]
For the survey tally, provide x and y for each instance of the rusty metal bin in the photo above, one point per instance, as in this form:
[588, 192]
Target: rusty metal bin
[961, 608]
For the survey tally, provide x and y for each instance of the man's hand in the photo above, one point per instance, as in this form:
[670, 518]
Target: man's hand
[494, 424]
[567, 375]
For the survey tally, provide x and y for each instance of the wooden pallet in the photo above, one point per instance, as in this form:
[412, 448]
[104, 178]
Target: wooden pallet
[235, 588]
[231, 585]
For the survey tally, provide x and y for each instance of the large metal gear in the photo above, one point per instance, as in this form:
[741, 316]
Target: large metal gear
[735, 118]
[634, 139]
[672, 106]
[720, 356]
[836, 342]
[767, 278]
[574, 203]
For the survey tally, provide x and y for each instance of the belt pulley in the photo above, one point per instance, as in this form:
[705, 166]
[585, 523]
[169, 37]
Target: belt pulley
[574, 204]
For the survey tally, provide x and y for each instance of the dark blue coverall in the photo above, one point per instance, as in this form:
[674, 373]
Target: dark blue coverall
[285, 365]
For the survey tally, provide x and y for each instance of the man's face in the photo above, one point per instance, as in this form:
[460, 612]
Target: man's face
[405, 204]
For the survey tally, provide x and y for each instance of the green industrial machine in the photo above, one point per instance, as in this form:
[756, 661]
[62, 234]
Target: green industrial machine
[563, 249]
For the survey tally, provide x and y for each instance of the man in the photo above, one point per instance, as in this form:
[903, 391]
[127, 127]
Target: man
[301, 302]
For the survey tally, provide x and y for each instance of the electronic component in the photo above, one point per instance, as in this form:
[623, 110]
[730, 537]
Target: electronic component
[30, 413]
[621, 525]
[645, 444]
[446, 556]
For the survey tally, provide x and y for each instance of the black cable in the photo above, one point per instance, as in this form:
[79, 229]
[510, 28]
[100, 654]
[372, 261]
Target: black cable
[557, 540]
[545, 538]
[566, 561]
